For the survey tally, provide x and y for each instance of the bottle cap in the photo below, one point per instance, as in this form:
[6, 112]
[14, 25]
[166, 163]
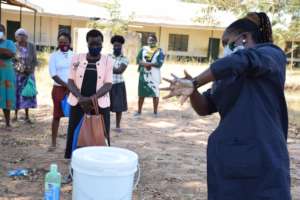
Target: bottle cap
[53, 168]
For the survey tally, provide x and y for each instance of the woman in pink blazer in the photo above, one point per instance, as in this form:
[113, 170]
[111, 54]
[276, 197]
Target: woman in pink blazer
[90, 76]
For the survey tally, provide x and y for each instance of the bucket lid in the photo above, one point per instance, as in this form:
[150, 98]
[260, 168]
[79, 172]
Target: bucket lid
[104, 161]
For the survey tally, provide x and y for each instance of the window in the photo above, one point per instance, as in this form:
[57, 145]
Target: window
[145, 36]
[64, 28]
[288, 49]
[178, 42]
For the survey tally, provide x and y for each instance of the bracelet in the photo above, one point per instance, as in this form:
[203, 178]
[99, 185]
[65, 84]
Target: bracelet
[195, 84]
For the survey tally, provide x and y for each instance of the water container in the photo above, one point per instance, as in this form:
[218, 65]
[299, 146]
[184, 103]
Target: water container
[103, 173]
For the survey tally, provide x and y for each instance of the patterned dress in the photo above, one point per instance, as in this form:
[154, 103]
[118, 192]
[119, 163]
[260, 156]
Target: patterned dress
[21, 80]
[7, 78]
[149, 80]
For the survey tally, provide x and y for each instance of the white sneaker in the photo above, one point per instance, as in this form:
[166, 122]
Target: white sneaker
[137, 114]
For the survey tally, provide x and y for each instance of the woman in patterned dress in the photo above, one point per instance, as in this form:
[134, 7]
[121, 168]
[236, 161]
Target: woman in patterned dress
[7, 76]
[150, 59]
[25, 64]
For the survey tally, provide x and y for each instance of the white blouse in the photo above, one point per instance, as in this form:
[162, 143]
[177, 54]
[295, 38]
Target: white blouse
[59, 65]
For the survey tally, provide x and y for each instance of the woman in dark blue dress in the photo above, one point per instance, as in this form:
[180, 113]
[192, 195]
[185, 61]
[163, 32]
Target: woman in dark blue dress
[247, 156]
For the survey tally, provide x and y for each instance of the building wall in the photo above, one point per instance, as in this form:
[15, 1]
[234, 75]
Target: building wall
[47, 30]
[46, 26]
[197, 44]
[154, 29]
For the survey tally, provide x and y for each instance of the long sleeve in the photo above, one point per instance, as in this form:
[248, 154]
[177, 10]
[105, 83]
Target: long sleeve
[73, 66]
[139, 56]
[254, 62]
[211, 105]
[11, 46]
[160, 58]
[52, 65]
[109, 71]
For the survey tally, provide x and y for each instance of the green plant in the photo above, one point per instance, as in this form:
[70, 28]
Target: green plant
[117, 24]
[285, 15]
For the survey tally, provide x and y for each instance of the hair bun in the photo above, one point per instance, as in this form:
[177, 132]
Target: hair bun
[254, 17]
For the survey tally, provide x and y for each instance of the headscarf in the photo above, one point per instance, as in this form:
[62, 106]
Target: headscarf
[21, 31]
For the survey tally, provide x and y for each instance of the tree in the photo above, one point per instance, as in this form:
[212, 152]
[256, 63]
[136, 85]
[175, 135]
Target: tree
[116, 24]
[284, 14]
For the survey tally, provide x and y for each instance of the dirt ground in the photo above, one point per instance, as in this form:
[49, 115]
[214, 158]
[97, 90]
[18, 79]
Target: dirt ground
[171, 148]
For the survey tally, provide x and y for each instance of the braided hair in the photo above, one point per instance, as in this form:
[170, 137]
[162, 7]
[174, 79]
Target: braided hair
[265, 27]
[258, 24]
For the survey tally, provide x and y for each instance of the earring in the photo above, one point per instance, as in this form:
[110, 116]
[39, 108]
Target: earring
[244, 41]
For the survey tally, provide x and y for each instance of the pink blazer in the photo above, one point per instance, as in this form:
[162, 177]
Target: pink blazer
[104, 70]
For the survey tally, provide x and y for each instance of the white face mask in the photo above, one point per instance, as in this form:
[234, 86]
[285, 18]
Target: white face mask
[1, 35]
[228, 51]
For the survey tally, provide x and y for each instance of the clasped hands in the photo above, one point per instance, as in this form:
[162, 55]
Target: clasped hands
[147, 65]
[182, 88]
[86, 103]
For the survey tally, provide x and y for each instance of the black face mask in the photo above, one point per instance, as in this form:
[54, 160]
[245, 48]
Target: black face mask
[95, 51]
[117, 51]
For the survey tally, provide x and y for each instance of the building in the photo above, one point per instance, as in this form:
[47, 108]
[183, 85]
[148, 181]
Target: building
[173, 22]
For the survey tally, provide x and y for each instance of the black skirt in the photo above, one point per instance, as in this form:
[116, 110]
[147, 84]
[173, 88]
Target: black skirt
[118, 98]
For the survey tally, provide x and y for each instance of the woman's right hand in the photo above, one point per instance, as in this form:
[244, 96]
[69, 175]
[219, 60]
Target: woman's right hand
[86, 104]
[180, 87]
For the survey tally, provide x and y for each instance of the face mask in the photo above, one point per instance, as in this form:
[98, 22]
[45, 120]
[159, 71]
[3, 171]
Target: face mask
[64, 48]
[152, 45]
[228, 51]
[117, 51]
[95, 51]
[1, 35]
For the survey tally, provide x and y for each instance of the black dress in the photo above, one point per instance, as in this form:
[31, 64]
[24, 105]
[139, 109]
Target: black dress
[89, 88]
[247, 156]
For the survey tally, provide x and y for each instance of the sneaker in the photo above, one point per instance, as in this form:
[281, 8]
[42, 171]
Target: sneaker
[118, 130]
[15, 119]
[137, 114]
[28, 121]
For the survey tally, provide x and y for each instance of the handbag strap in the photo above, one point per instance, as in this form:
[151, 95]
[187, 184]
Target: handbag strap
[97, 112]
[95, 105]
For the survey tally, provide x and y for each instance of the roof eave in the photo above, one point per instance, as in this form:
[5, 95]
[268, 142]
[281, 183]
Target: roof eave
[166, 25]
[25, 4]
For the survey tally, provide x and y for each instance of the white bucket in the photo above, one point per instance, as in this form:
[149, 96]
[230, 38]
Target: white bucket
[103, 173]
